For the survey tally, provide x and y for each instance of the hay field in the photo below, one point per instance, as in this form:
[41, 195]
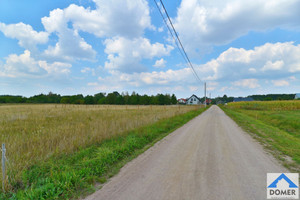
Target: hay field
[33, 133]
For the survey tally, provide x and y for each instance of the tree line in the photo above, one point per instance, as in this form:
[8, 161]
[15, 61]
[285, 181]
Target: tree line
[272, 97]
[99, 98]
[257, 97]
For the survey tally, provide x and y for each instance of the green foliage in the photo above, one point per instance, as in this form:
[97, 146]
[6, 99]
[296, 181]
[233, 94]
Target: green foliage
[64, 177]
[271, 97]
[12, 99]
[223, 99]
[113, 98]
[279, 129]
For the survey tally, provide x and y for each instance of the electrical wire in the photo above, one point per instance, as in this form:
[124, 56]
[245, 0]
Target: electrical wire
[182, 50]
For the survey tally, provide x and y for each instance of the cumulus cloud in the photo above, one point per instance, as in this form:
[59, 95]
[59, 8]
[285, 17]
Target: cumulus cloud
[270, 60]
[20, 65]
[247, 83]
[234, 70]
[125, 54]
[220, 22]
[56, 68]
[280, 83]
[160, 63]
[70, 45]
[25, 66]
[123, 21]
[28, 38]
[88, 70]
[123, 18]
[277, 65]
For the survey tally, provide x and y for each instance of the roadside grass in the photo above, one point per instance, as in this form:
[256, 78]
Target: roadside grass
[277, 130]
[68, 175]
[288, 121]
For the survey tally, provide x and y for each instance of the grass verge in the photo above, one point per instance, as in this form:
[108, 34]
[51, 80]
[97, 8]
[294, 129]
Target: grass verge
[70, 175]
[283, 145]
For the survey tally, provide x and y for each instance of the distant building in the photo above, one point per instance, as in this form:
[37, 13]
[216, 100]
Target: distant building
[239, 99]
[193, 100]
[208, 101]
[220, 102]
[181, 101]
[297, 96]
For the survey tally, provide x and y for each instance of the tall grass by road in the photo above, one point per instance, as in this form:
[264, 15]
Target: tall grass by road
[276, 124]
[35, 133]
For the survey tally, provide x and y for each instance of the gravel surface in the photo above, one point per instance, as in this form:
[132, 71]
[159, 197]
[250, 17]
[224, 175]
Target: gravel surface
[209, 158]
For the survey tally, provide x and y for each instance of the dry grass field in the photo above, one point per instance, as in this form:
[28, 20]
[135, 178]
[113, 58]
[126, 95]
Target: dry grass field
[33, 133]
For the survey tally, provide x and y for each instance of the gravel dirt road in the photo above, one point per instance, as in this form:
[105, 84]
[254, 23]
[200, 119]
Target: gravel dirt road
[209, 158]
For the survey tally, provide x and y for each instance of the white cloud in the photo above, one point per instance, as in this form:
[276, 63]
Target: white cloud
[270, 60]
[125, 55]
[25, 66]
[228, 72]
[56, 68]
[277, 65]
[247, 83]
[88, 70]
[125, 18]
[28, 38]
[122, 20]
[70, 45]
[252, 70]
[220, 22]
[93, 84]
[160, 29]
[160, 63]
[280, 83]
[56, 22]
[119, 18]
[21, 65]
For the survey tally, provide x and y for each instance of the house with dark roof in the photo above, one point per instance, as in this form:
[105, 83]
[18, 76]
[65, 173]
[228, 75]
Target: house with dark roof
[193, 100]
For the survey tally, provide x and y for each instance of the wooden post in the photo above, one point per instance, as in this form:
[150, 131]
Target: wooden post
[3, 167]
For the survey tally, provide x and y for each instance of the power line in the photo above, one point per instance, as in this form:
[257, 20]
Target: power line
[184, 54]
[170, 32]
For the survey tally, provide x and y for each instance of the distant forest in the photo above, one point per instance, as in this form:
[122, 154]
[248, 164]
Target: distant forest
[99, 98]
[125, 98]
[270, 97]
[259, 97]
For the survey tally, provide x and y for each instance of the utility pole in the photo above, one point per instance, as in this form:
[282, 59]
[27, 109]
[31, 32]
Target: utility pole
[205, 94]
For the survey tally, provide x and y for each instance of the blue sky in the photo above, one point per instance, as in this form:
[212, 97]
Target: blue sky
[70, 47]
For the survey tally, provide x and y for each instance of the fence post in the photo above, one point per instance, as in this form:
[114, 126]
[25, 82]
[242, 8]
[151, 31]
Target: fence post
[3, 167]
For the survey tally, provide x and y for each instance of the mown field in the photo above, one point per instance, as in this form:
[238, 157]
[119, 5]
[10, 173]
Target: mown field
[275, 123]
[54, 150]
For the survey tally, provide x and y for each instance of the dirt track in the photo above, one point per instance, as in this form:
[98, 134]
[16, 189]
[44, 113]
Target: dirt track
[208, 158]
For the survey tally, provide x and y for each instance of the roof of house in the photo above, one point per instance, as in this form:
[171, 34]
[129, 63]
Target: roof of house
[182, 99]
[193, 96]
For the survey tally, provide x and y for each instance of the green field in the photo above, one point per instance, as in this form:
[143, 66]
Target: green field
[60, 151]
[275, 124]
